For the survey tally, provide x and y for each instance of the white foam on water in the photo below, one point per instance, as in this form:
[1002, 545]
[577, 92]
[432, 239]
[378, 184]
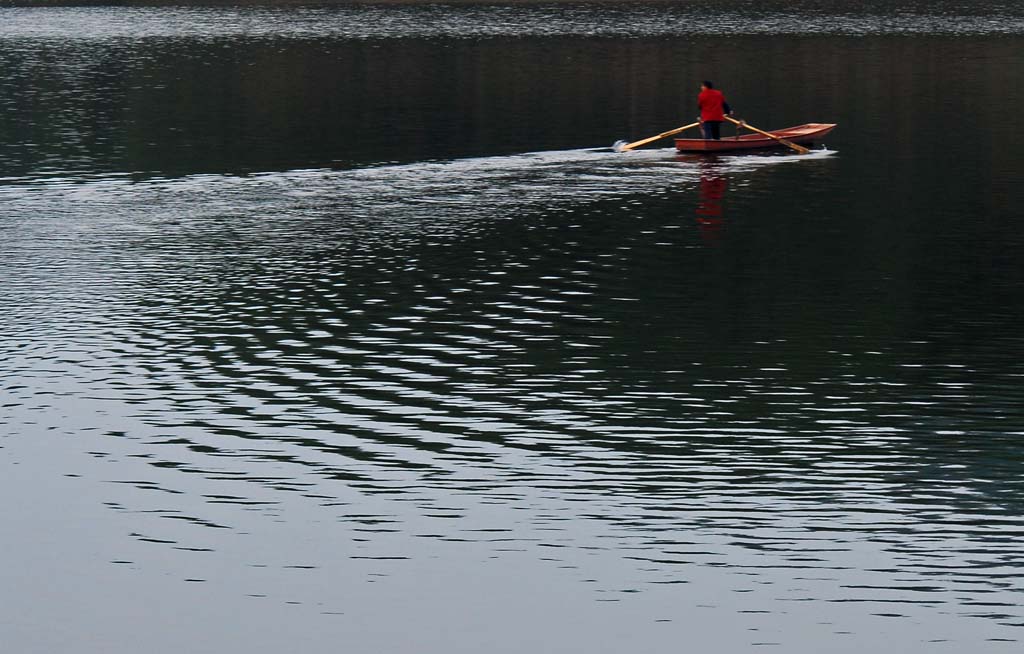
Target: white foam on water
[434, 195]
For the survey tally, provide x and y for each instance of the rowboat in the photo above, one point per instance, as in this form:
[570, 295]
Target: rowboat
[801, 134]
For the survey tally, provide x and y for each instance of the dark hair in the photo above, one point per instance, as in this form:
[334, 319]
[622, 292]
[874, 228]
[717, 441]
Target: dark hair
[708, 84]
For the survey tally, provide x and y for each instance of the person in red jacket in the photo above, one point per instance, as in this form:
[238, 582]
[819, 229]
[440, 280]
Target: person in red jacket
[713, 110]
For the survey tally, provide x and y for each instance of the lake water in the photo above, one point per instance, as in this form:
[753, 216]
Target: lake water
[344, 329]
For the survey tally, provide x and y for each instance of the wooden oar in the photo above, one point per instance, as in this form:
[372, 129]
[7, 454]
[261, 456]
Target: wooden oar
[652, 139]
[789, 144]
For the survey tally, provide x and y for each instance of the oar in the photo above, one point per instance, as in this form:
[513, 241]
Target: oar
[742, 123]
[637, 144]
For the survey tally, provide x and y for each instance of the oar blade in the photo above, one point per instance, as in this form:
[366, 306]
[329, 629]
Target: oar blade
[789, 144]
[636, 144]
[626, 147]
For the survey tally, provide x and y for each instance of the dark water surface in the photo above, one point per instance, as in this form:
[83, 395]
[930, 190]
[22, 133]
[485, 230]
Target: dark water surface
[343, 329]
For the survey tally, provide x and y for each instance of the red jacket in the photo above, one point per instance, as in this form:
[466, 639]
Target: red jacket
[712, 105]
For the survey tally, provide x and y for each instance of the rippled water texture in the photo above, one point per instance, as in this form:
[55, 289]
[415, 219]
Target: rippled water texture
[296, 356]
[473, 20]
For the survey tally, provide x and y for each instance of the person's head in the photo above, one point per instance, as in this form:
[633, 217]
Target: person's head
[707, 84]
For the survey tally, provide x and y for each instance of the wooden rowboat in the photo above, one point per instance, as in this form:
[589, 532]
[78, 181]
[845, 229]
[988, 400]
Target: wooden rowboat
[801, 134]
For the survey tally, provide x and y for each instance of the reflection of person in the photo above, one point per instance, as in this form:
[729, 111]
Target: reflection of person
[710, 197]
[713, 110]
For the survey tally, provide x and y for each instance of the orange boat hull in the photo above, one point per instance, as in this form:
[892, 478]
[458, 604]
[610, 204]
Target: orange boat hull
[801, 134]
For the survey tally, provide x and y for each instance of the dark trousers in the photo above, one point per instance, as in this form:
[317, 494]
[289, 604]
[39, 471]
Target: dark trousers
[712, 129]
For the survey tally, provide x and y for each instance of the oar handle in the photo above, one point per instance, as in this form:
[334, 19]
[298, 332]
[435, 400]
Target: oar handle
[742, 123]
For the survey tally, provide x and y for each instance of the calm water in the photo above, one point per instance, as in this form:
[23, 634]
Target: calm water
[343, 329]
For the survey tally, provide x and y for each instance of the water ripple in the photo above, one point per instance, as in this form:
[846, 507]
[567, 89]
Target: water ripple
[448, 352]
[476, 21]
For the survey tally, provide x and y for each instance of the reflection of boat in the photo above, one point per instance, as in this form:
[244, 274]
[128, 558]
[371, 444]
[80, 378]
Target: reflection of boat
[801, 134]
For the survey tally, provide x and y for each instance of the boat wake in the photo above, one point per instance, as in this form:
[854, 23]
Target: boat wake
[446, 199]
[449, 189]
